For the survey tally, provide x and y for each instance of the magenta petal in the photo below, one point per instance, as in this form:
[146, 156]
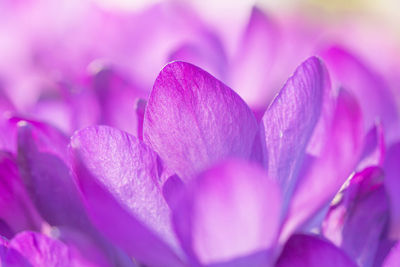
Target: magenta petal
[118, 177]
[37, 250]
[16, 210]
[322, 178]
[289, 122]
[230, 211]
[312, 251]
[393, 258]
[193, 120]
[358, 221]
[392, 184]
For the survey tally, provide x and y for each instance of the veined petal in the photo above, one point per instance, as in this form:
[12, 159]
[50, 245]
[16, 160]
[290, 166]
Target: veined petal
[228, 212]
[193, 120]
[289, 122]
[312, 251]
[118, 176]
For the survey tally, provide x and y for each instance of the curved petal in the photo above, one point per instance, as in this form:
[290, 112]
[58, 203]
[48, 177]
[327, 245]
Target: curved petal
[374, 148]
[369, 88]
[117, 98]
[289, 122]
[358, 221]
[392, 184]
[42, 159]
[322, 178]
[252, 67]
[230, 211]
[35, 250]
[311, 251]
[118, 176]
[393, 258]
[16, 210]
[193, 120]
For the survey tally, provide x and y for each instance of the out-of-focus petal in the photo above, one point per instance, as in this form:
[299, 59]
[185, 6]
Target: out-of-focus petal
[322, 178]
[392, 184]
[370, 89]
[42, 159]
[289, 122]
[193, 120]
[393, 258]
[117, 98]
[16, 209]
[357, 223]
[118, 176]
[374, 148]
[204, 51]
[312, 251]
[251, 75]
[228, 212]
[30, 249]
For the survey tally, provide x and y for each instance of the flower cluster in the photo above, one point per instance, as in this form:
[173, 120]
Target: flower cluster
[217, 160]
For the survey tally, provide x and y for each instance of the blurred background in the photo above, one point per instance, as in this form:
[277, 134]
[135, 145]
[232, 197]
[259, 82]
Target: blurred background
[74, 63]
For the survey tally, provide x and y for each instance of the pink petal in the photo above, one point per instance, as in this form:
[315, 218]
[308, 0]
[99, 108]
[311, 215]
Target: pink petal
[228, 212]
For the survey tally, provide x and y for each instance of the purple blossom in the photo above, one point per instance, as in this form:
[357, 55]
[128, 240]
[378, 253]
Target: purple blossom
[219, 160]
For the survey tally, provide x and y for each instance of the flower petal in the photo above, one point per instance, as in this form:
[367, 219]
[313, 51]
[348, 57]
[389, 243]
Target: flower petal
[42, 159]
[289, 122]
[357, 223]
[393, 258]
[252, 67]
[34, 249]
[16, 210]
[322, 178]
[118, 176]
[193, 120]
[311, 251]
[230, 211]
[369, 88]
[392, 184]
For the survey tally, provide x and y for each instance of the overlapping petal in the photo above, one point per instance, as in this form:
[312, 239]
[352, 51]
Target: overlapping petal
[358, 222]
[289, 122]
[193, 120]
[322, 177]
[229, 212]
[309, 251]
[118, 176]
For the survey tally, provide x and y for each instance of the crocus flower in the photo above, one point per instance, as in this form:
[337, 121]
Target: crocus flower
[229, 212]
[214, 166]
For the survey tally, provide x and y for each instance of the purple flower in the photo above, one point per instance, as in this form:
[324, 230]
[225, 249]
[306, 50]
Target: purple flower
[224, 210]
